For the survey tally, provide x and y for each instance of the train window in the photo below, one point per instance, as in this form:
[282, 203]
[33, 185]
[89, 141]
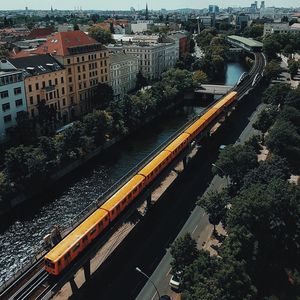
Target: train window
[76, 247]
[59, 262]
[49, 263]
[67, 256]
[118, 207]
[106, 218]
[84, 238]
[92, 231]
[100, 225]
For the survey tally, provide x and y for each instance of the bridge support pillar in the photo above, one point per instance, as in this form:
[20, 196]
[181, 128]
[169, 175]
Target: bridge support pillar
[185, 161]
[74, 286]
[149, 200]
[87, 270]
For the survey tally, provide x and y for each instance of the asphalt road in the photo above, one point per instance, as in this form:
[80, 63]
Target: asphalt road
[147, 245]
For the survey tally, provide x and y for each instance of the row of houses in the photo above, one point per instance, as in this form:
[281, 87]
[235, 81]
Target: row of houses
[64, 72]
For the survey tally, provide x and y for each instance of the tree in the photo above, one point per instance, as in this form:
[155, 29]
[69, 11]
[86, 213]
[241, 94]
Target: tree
[141, 81]
[265, 119]
[254, 142]
[214, 204]
[254, 31]
[100, 35]
[272, 69]
[76, 27]
[284, 140]
[293, 98]
[215, 278]
[293, 66]
[236, 161]
[269, 213]
[271, 46]
[276, 94]
[184, 252]
[200, 77]
[4, 53]
[274, 168]
[104, 95]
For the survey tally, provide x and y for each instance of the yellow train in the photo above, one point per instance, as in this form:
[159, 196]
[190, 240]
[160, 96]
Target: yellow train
[57, 259]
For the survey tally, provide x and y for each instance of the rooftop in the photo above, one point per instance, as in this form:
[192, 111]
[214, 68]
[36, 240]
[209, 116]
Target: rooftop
[119, 57]
[37, 33]
[61, 43]
[246, 41]
[37, 64]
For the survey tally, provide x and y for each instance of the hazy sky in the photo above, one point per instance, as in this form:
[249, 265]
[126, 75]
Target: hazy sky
[126, 4]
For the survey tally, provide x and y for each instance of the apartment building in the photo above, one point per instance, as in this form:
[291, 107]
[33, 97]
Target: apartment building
[86, 63]
[271, 28]
[45, 81]
[123, 72]
[12, 96]
[151, 57]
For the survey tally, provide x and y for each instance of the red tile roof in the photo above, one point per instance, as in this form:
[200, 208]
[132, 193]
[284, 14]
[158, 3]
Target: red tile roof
[39, 33]
[59, 43]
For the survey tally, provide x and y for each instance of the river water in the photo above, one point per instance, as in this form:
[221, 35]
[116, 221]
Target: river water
[20, 240]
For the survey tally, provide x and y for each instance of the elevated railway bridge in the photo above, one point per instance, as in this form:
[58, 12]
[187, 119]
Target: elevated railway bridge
[37, 283]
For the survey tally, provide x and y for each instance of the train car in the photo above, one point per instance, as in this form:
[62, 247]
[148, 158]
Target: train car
[178, 144]
[124, 196]
[195, 128]
[57, 259]
[155, 166]
[211, 114]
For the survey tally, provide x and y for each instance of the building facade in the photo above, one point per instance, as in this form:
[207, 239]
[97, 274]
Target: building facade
[151, 57]
[123, 71]
[45, 83]
[12, 96]
[86, 63]
[271, 28]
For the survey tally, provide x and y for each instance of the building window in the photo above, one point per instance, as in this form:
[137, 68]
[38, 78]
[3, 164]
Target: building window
[31, 100]
[17, 91]
[44, 84]
[38, 98]
[50, 82]
[29, 88]
[82, 58]
[32, 113]
[78, 69]
[71, 89]
[5, 106]
[19, 102]
[7, 118]
[4, 94]
[56, 81]
[83, 68]
[79, 77]
[68, 61]
[78, 59]
[37, 86]
[62, 80]
[63, 90]
[64, 102]
[70, 79]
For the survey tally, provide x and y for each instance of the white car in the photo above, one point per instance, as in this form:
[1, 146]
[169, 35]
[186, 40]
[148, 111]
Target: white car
[175, 281]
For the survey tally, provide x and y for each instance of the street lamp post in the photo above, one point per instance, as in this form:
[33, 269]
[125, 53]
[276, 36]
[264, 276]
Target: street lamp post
[214, 165]
[140, 271]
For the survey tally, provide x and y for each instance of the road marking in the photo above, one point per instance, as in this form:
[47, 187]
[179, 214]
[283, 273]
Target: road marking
[194, 229]
[168, 272]
[154, 296]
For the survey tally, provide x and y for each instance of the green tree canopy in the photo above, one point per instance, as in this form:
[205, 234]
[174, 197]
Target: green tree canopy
[184, 252]
[100, 35]
[236, 161]
[276, 94]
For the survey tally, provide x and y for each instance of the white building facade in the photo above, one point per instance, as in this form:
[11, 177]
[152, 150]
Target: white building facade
[12, 96]
[153, 59]
[123, 71]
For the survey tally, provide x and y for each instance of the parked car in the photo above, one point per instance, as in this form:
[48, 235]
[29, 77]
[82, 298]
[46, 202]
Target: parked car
[175, 281]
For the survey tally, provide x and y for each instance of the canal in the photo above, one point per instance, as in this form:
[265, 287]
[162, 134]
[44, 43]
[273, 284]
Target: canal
[22, 237]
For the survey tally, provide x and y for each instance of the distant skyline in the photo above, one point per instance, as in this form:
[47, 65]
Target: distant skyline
[137, 4]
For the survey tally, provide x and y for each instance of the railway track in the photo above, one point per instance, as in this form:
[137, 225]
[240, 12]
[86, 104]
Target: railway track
[36, 283]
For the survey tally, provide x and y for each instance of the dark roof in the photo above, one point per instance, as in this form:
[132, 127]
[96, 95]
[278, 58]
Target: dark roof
[39, 33]
[37, 64]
